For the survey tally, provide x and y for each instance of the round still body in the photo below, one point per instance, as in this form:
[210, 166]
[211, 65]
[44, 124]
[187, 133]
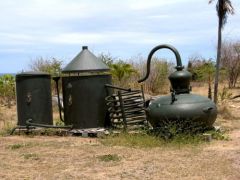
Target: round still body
[191, 108]
[34, 100]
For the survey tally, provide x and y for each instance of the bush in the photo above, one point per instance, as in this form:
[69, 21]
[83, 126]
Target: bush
[224, 95]
[51, 66]
[202, 70]
[126, 73]
[121, 71]
[7, 90]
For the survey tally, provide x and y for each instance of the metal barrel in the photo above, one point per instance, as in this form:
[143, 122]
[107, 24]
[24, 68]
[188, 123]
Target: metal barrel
[84, 100]
[34, 99]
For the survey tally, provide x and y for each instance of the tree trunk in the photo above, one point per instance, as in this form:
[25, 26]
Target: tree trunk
[209, 87]
[218, 59]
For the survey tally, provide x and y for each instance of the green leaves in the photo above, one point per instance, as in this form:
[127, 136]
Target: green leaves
[51, 66]
[121, 70]
[223, 8]
[201, 69]
[7, 89]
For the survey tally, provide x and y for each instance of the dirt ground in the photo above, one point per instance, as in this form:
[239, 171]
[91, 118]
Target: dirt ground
[55, 157]
[77, 158]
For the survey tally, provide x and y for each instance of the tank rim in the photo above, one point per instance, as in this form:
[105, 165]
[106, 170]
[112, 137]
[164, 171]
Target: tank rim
[32, 73]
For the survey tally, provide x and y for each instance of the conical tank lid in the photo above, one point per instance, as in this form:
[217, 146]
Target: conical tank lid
[85, 61]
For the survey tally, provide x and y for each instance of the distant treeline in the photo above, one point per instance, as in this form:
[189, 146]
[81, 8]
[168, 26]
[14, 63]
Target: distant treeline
[13, 74]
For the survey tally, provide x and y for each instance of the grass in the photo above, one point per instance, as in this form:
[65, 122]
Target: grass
[141, 140]
[109, 157]
[132, 140]
[144, 140]
[218, 135]
[16, 146]
[6, 129]
[7, 120]
[30, 156]
[22, 145]
[77, 158]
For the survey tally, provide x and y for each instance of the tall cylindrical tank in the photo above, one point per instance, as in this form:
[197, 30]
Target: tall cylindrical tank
[84, 100]
[84, 92]
[34, 100]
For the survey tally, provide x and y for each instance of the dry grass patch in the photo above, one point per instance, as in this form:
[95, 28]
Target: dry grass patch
[87, 158]
[8, 119]
[137, 156]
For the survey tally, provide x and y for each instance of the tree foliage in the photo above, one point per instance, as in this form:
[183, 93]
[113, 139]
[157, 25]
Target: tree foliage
[231, 61]
[121, 71]
[201, 69]
[51, 66]
[158, 78]
[126, 73]
[7, 89]
[107, 58]
[223, 8]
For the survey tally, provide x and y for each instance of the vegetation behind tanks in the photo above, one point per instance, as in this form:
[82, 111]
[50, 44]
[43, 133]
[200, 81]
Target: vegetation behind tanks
[126, 73]
[7, 90]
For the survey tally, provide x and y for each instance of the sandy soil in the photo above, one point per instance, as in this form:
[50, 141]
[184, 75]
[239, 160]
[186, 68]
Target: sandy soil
[77, 158]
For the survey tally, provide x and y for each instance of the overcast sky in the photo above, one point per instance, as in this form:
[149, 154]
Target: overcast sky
[124, 28]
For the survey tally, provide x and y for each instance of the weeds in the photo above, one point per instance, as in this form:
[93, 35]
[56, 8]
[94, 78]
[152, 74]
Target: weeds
[218, 135]
[109, 157]
[141, 140]
[144, 139]
[178, 127]
[224, 94]
[58, 122]
[132, 140]
[30, 156]
[7, 128]
[18, 146]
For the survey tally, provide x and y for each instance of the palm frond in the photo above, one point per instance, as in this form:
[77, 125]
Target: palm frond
[223, 8]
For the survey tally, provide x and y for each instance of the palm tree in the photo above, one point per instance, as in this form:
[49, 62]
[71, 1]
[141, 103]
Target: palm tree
[121, 70]
[223, 7]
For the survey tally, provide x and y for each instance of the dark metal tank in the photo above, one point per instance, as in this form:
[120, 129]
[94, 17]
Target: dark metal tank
[84, 100]
[34, 100]
[84, 91]
[180, 105]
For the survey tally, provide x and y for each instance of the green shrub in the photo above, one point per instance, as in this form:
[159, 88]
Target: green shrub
[7, 89]
[224, 94]
[30, 156]
[109, 157]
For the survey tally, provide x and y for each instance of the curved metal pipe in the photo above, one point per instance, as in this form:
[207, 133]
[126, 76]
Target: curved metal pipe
[21, 127]
[173, 49]
[30, 123]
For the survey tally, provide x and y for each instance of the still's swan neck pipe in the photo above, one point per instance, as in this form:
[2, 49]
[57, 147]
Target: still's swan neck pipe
[179, 66]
